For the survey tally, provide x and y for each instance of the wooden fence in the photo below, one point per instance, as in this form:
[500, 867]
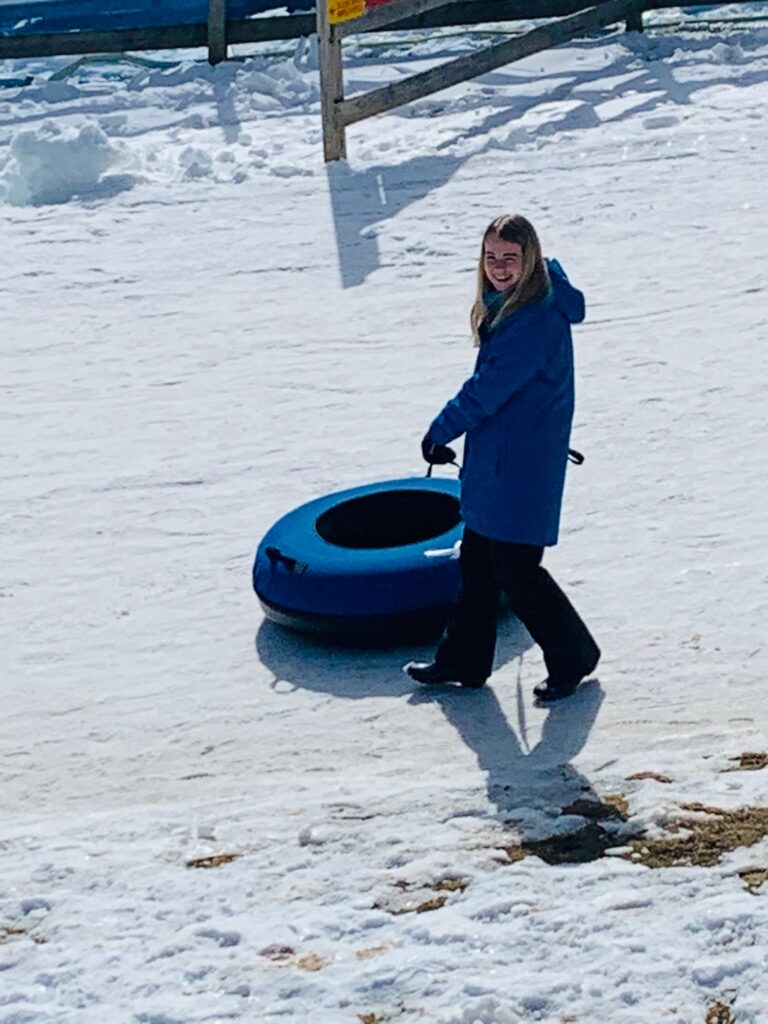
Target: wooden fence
[569, 19]
[23, 43]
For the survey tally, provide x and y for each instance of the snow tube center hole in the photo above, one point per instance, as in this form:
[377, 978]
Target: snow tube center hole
[390, 519]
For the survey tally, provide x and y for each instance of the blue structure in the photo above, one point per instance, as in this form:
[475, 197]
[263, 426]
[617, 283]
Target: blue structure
[52, 16]
[372, 564]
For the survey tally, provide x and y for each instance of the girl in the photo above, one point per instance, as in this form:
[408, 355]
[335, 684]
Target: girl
[516, 411]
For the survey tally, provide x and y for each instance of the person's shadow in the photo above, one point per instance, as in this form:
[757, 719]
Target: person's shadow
[527, 784]
[356, 672]
[525, 781]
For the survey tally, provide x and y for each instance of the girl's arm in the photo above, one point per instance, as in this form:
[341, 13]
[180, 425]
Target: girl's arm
[514, 360]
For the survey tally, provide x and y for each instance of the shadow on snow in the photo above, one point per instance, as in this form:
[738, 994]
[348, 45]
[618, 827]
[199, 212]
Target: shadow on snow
[523, 782]
[640, 75]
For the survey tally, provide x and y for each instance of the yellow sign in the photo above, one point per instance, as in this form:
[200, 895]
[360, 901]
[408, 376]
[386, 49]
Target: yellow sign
[345, 10]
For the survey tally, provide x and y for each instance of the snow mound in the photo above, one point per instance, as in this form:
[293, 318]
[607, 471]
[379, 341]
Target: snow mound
[53, 165]
[281, 82]
[277, 85]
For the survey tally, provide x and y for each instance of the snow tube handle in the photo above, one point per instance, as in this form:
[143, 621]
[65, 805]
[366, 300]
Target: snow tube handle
[275, 555]
[433, 464]
[573, 456]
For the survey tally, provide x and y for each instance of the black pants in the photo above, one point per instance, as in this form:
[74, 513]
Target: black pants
[489, 567]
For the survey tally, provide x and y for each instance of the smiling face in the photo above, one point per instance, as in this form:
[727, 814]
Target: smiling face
[502, 262]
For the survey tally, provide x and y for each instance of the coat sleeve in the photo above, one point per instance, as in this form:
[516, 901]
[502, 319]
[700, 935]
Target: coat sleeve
[515, 357]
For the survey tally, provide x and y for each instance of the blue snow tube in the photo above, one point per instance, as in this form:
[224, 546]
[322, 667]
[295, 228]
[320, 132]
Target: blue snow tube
[372, 564]
[34, 17]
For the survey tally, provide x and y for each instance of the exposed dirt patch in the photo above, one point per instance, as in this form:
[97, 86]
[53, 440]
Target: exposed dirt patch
[753, 878]
[451, 885]
[598, 810]
[619, 803]
[656, 776]
[415, 898]
[285, 956]
[394, 1014]
[581, 847]
[702, 841]
[214, 861]
[434, 904]
[514, 852]
[277, 953]
[370, 952]
[748, 762]
[312, 962]
[9, 932]
[411, 906]
[719, 1013]
[585, 844]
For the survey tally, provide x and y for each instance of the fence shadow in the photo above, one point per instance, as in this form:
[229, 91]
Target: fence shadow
[640, 74]
[361, 199]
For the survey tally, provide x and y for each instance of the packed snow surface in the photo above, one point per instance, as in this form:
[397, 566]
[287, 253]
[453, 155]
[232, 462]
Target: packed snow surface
[206, 819]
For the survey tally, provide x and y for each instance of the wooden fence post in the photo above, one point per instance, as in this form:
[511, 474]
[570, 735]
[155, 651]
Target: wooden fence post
[331, 85]
[635, 22]
[217, 31]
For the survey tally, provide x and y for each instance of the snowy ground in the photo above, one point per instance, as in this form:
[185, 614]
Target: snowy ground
[203, 327]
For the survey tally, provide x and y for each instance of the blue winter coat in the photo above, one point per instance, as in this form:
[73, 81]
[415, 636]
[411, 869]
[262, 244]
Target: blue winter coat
[516, 410]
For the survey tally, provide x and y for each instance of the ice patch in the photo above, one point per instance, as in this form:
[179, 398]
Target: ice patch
[661, 121]
[53, 165]
[222, 939]
[52, 91]
[30, 905]
[727, 53]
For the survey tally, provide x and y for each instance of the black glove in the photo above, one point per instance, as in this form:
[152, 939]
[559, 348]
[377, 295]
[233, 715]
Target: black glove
[436, 454]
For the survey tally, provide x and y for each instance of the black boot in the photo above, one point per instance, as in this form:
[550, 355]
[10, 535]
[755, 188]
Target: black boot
[431, 672]
[555, 688]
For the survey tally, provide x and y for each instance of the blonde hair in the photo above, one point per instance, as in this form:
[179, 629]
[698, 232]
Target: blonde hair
[534, 278]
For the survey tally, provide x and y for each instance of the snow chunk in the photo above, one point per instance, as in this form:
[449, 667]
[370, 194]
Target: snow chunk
[195, 162]
[484, 1011]
[276, 86]
[280, 82]
[30, 905]
[53, 165]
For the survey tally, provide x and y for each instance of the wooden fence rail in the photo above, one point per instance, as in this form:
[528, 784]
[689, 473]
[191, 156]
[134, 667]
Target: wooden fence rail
[339, 112]
[286, 27]
[462, 68]
[573, 19]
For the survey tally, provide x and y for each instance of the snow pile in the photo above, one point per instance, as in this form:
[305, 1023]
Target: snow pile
[53, 165]
[186, 122]
[284, 84]
[172, 120]
[262, 85]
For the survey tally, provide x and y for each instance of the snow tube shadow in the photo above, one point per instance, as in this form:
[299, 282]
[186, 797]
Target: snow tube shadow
[373, 565]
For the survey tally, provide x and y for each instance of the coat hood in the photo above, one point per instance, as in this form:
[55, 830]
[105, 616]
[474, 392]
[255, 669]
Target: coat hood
[566, 299]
